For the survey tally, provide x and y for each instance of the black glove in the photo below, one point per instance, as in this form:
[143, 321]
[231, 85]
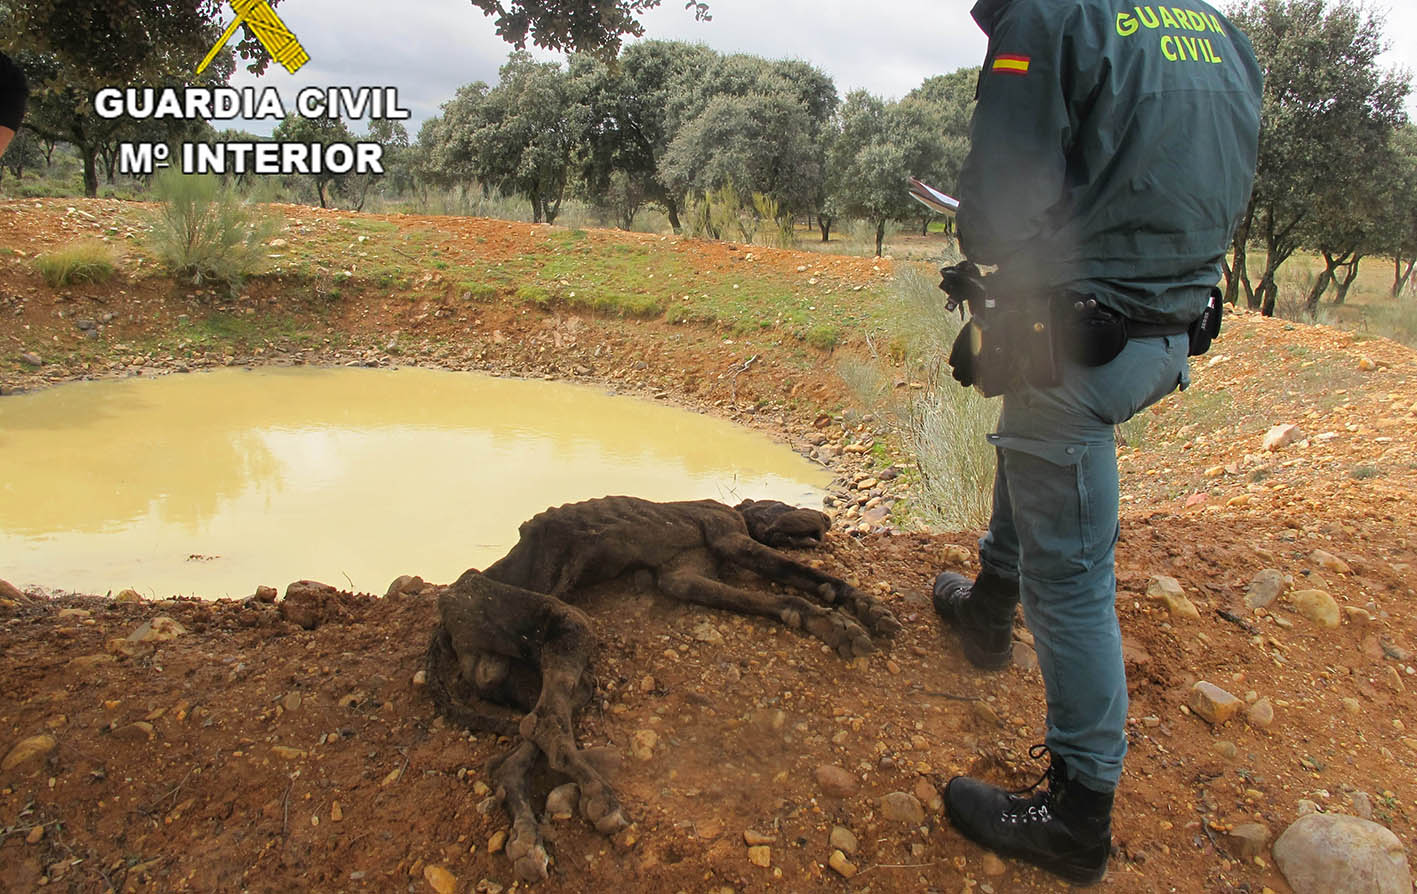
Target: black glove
[963, 283]
[962, 355]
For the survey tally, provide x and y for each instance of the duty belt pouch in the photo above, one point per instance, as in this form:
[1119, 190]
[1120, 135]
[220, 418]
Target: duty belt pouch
[1014, 349]
[1207, 328]
[1086, 332]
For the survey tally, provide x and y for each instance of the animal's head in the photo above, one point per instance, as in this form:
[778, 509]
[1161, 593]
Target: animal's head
[779, 525]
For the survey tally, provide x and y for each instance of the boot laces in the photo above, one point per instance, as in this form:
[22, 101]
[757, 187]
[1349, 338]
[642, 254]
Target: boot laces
[1035, 808]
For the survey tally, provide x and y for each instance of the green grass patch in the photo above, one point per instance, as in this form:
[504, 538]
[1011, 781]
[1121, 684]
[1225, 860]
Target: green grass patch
[79, 262]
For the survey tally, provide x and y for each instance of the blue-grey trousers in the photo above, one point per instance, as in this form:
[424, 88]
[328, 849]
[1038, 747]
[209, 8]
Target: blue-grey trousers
[1054, 528]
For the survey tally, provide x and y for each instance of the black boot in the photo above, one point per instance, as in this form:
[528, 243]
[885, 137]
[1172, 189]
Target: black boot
[1065, 828]
[982, 612]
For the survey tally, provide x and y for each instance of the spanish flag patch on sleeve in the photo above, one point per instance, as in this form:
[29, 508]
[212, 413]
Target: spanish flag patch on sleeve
[1009, 64]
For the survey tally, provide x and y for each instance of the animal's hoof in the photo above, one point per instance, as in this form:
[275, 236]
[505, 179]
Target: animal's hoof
[601, 810]
[533, 867]
[612, 823]
[885, 624]
[528, 856]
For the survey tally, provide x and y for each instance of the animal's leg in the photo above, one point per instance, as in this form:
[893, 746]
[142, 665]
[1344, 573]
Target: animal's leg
[565, 653]
[748, 553]
[833, 627]
[524, 847]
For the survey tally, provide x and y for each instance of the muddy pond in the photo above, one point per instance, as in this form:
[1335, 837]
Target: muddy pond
[210, 484]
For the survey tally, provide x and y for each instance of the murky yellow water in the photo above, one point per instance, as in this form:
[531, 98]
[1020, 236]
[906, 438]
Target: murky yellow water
[212, 483]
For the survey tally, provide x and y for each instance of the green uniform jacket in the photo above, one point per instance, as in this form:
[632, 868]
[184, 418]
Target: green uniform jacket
[1112, 151]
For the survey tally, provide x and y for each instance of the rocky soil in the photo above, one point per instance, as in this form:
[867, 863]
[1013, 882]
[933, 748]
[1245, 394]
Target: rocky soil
[1265, 593]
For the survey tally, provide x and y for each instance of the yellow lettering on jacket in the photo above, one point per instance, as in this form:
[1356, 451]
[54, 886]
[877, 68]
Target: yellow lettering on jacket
[1126, 25]
[1166, 17]
[1168, 48]
[1148, 17]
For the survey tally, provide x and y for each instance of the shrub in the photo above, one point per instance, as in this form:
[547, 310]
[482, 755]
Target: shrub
[940, 424]
[204, 233]
[87, 261]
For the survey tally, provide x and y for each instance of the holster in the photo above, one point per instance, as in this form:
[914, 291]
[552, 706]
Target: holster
[1006, 348]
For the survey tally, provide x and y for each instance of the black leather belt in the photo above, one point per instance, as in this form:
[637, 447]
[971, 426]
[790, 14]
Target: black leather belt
[1155, 330]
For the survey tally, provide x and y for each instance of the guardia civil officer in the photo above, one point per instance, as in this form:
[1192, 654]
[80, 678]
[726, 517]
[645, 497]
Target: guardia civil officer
[13, 91]
[1112, 152]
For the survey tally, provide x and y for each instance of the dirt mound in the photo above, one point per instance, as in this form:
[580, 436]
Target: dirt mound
[246, 752]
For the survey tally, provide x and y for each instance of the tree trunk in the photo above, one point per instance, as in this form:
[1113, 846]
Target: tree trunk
[671, 208]
[536, 209]
[89, 154]
[1238, 273]
[824, 224]
[1350, 274]
[880, 235]
[1401, 277]
[924, 226]
[1322, 282]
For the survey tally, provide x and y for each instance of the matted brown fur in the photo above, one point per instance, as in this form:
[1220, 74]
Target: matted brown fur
[511, 652]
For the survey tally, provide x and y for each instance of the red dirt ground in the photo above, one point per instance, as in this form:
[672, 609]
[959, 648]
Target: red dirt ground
[252, 754]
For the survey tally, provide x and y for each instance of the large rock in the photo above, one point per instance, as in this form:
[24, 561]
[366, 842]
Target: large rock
[27, 750]
[1169, 591]
[835, 781]
[1265, 588]
[1323, 853]
[1213, 704]
[1282, 436]
[1317, 606]
[902, 807]
[310, 603]
[159, 630]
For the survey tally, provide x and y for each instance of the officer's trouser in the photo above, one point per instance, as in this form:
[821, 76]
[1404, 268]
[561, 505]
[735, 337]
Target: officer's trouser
[1054, 527]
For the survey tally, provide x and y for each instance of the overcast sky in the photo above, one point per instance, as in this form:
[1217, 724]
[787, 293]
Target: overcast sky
[429, 48]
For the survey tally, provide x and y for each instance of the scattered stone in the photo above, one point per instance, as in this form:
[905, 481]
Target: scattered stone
[843, 839]
[902, 807]
[705, 632]
[1265, 588]
[760, 855]
[138, 731]
[1306, 807]
[1169, 591]
[128, 597]
[1362, 804]
[1281, 436]
[985, 715]
[286, 753]
[1226, 750]
[27, 750]
[32, 358]
[642, 744]
[1247, 840]
[1317, 606]
[1024, 657]
[266, 595]
[993, 866]
[929, 796]
[159, 630]
[35, 836]
[336, 813]
[405, 585]
[840, 865]
[754, 838]
[1326, 852]
[1329, 562]
[497, 841]
[953, 555]
[440, 879]
[1260, 714]
[836, 781]
[10, 591]
[1213, 704]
